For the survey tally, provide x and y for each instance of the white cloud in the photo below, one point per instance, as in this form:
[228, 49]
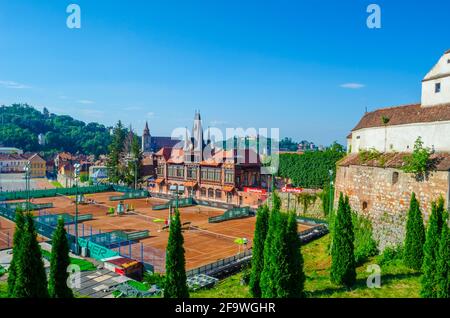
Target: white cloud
[150, 114]
[353, 85]
[85, 101]
[12, 84]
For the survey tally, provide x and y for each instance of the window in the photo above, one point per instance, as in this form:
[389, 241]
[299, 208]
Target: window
[364, 206]
[437, 88]
[395, 176]
[229, 176]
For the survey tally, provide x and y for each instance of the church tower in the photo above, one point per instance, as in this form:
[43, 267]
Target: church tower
[197, 138]
[146, 139]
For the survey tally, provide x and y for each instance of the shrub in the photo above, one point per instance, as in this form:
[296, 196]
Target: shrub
[365, 245]
[391, 255]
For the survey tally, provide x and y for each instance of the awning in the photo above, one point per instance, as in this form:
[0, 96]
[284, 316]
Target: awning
[191, 184]
[228, 188]
[159, 180]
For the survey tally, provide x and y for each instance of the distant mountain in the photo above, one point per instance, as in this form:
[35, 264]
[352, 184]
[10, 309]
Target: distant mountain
[24, 127]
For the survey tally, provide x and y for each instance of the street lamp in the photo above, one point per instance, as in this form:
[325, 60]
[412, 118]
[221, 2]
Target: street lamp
[27, 169]
[77, 168]
[330, 207]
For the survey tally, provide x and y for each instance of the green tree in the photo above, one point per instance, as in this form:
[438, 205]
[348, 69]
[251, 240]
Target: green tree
[296, 280]
[419, 161]
[261, 228]
[31, 281]
[175, 284]
[59, 263]
[115, 152]
[415, 236]
[343, 267]
[17, 249]
[443, 266]
[135, 163]
[429, 279]
[267, 283]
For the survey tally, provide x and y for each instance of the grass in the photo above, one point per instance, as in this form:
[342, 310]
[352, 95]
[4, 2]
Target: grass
[83, 264]
[56, 184]
[3, 290]
[397, 281]
[139, 286]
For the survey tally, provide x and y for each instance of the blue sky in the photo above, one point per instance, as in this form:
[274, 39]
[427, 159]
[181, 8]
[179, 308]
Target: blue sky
[243, 63]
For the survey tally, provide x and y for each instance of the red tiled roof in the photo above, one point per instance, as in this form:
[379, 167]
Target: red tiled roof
[401, 115]
[441, 161]
[164, 152]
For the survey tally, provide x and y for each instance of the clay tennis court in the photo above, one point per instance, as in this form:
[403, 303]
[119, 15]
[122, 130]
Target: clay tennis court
[204, 243]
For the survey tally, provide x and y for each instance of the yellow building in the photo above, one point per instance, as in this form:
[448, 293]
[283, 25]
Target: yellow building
[37, 166]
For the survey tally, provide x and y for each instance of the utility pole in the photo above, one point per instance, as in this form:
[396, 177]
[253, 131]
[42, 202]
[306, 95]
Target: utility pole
[77, 167]
[330, 207]
[27, 183]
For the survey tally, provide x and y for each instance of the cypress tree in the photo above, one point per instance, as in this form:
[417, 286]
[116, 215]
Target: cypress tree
[31, 281]
[175, 284]
[343, 268]
[415, 236]
[17, 249]
[267, 283]
[280, 261]
[59, 263]
[261, 229]
[295, 259]
[443, 266]
[431, 250]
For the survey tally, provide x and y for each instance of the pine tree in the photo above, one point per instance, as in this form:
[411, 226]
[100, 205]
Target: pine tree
[31, 281]
[175, 283]
[59, 263]
[295, 259]
[431, 250]
[443, 262]
[17, 249]
[415, 236]
[261, 229]
[343, 268]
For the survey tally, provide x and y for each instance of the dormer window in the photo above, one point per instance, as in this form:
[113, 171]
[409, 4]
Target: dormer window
[437, 88]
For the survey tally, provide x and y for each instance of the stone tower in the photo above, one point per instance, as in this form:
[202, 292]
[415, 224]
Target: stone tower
[146, 139]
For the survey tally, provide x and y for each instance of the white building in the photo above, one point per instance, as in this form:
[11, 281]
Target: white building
[10, 151]
[397, 128]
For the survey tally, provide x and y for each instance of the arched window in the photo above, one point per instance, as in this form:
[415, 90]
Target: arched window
[211, 193]
[218, 194]
[203, 192]
[364, 206]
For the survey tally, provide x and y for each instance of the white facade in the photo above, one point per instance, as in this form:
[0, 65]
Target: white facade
[436, 84]
[401, 138]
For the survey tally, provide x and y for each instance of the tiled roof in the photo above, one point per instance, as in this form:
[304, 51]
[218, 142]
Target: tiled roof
[401, 115]
[441, 161]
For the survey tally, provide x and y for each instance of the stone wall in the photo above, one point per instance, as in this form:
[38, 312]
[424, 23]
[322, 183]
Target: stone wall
[313, 210]
[383, 195]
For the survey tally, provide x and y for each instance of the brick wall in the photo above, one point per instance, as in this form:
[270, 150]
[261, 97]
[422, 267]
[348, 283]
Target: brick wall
[383, 195]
